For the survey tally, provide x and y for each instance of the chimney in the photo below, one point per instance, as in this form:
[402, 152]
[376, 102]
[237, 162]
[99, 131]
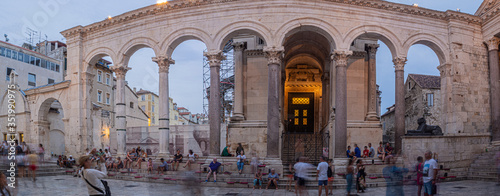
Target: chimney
[135, 90]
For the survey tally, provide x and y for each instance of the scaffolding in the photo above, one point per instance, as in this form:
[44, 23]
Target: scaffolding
[226, 83]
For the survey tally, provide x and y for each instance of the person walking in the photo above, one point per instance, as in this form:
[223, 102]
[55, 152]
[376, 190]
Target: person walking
[419, 170]
[349, 175]
[322, 175]
[92, 177]
[429, 171]
[41, 153]
[360, 177]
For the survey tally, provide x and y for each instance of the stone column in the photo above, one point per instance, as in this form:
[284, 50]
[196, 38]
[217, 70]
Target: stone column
[164, 112]
[399, 125]
[120, 109]
[238, 82]
[341, 58]
[494, 88]
[214, 106]
[372, 114]
[274, 56]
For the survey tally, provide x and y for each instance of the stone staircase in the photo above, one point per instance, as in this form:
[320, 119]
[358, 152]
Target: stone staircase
[43, 169]
[484, 167]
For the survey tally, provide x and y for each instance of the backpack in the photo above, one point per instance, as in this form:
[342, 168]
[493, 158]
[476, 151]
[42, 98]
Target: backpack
[329, 173]
[106, 191]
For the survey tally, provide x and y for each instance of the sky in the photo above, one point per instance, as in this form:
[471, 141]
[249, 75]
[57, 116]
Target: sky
[49, 17]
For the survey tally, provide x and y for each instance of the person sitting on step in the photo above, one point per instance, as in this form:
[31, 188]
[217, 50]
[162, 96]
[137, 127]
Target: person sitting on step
[273, 177]
[212, 168]
[257, 179]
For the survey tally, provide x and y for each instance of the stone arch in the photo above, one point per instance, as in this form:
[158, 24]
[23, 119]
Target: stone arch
[135, 44]
[312, 24]
[315, 60]
[45, 106]
[177, 37]
[241, 27]
[97, 54]
[431, 41]
[374, 31]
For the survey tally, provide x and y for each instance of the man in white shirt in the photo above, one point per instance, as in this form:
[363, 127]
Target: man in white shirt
[430, 173]
[92, 177]
[322, 175]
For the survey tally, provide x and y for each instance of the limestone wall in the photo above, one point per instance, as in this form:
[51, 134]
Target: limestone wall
[255, 87]
[454, 152]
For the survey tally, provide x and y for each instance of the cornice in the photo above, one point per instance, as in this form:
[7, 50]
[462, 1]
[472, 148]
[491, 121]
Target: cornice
[48, 88]
[182, 4]
[254, 53]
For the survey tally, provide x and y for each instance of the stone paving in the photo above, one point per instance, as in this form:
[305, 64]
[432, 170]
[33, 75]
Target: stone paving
[68, 185]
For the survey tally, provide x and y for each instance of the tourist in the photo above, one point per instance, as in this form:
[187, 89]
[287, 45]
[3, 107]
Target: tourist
[419, 170]
[141, 157]
[130, 158]
[71, 160]
[24, 147]
[322, 175]
[177, 159]
[191, 159]
[357, 151]
[360, 177]
[138, 150]
[372, 150]
[33, 162]
[241, 161]
[21, 163]
[87, 151]
[331, 177]
[60, 161]
[301, 172]
[92, 177]
[497, 159]
[299, 148]
[291, 178]
[388, 151]
[212, 168]
[366, 152]
[257, 179]
[226, 151]
[239, 149]
[348, 152]
[272, 178]
[394, 177]
[255, 162]
[349, 175]
[5, 148]
[100, 152]
[380, 151]
[107, 154]
[118, 165]
[4, 188]
[109, 163]
[429, 171]
[163, 167]
[41, 152]
[150, 166]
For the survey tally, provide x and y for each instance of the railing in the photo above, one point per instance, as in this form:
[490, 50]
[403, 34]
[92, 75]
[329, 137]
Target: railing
[313, 145]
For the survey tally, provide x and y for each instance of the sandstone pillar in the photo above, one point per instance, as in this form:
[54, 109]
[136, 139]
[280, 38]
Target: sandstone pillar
[274, 56]
[214, 107]
[341, 58]
[238, 82]
[120, 109]
[399, 123]
[372, 114]
[164, 112]
[494, 88]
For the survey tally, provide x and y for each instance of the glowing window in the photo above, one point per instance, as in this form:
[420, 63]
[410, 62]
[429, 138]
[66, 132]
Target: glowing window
[304, 121]
[296, 121]
[300, 100]
[304, 113]
[296, 112]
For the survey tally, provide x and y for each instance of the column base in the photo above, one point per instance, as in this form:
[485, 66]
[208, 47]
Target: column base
[372, 117]
[238, 117]
[164, 155]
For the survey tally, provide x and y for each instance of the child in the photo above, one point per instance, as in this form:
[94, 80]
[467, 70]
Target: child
[150, 166]
[366, 152]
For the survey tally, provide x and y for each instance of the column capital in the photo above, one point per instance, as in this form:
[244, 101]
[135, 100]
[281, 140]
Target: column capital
[238, 46]
[214, 58]
[120, 71]
[274, 54]
[372, 49]
[340, 57]
[163, 62]
[399, 63]
[493, 43]
[444, 69]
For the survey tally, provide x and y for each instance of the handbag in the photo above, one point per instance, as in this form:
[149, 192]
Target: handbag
[106, 192]
[434, 189]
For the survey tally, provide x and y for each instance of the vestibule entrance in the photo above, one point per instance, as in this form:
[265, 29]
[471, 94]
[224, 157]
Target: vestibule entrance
[301, 112]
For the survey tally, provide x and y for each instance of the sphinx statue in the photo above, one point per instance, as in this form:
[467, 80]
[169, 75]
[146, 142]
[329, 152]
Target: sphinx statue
[424, 129]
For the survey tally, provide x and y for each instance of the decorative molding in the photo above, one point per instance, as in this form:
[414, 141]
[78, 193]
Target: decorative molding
[254, 53]
[493, 43]
[177, 5]
[340, 57]
[163, 63]
[214, 58]
[399, 63]
[120, 71]
[274, 54]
